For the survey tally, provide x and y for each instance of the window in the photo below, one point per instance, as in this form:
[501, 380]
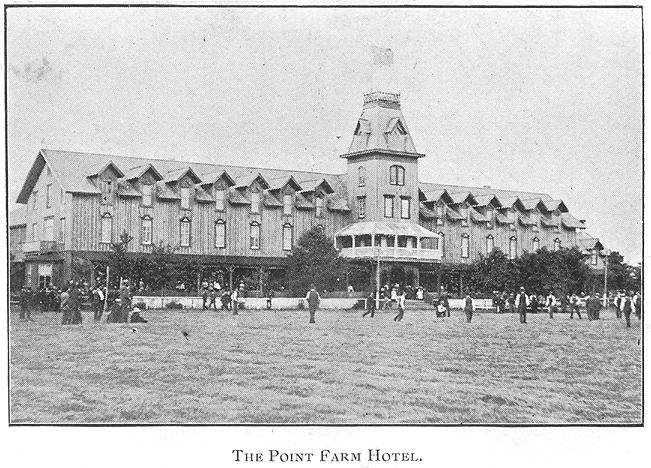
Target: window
[595, 254]
[287, 204]
[318, 201]
[48, 229]
[557, 245]
[287, 236]
[435, 243]
[490, 244]
[34, 231]
[397, 175]
[185, 232]
[536, 244]
[106, 187]
[388, 206]
[513, 248]
[219, 199]
[48, 196]
[255, 202]
[107, 229]
[62, 230]
[465, 246]
[361, 207]
[146, 227]
[254, 241]
[361, 173]
[185, 198]
[34, 200]
[405, 208]
[220, 234]
[147, 191]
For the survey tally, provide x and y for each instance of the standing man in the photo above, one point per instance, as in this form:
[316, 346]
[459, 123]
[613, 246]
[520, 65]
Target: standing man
[125, 301]
[574, 306]
[593, 306]
[468, 307]
[270, 296]
[25, 299]
[618, 305]
[564, 302]
[521, 303]
[66, 317]
[444, 300]
[370, 305]
[401, 306]
[226, 299]
[551, 304]
[204, 295]
[627, 308]
[235, 296]
[98, 303]
[313, 299]
[535, 304]
[637, 303]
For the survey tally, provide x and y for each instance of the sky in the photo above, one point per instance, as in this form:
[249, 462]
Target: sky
[544, 100]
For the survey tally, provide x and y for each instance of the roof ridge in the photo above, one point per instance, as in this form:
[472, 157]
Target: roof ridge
[484, 188]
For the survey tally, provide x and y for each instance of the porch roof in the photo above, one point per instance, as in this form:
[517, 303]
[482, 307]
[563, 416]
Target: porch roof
[390, 228]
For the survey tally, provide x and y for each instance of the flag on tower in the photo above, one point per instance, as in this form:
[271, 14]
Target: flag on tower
[382, 56]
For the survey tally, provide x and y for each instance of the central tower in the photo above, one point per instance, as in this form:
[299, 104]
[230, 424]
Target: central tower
[383, 163]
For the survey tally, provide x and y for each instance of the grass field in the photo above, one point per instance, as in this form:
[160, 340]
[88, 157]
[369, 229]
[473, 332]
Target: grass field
[274, 367]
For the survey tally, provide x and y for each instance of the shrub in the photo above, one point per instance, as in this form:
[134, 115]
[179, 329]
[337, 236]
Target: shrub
[173, 305]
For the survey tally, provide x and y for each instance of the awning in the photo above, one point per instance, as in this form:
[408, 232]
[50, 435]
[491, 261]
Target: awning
[501, 219]
[478, 217]
[387, 228]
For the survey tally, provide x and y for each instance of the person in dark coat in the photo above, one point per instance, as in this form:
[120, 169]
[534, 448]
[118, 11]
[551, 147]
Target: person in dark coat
[313, 299]
[444, 299]
[592, 306]
[204, 295]
[535, 305]
[212, 295]
[468, 307]
[370, 305]
[66, 317]
[75, 305]
[226, 300]
[564, 303]
[125, 301]
[25, 303]
[627, 308]
[521, 303]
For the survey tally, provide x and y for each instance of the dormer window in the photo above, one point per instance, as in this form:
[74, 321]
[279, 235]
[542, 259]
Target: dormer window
[287, 204]
[147, 192]
[361, 176]
[318, 203]
[185, 198]
[536, 244]
[595, 255]
[465, 246]
[513, 248]
[219, 199]
[557, 245]
[490, 244]
[397, 175]
[255, 202]
[107, 186]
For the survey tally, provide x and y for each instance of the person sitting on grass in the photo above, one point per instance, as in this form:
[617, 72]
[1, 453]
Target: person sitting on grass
[136, 317]
[440, 309]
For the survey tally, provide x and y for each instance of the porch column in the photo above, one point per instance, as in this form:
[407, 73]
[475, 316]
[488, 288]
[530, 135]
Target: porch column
[231, 269]
[416, 276]
[261, 271]
[353, 248]
[461, 283]
[395, 245]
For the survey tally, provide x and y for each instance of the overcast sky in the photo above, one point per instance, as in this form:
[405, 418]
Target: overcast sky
[534, 99]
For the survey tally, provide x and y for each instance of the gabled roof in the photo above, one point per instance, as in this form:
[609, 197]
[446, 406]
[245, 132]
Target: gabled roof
[556, 205]
[588, 242]
[202, 196]
[236, 197]
[163, 192]
[248, 180]
[337, 203]
[488, 199]
[425, 212]
[302, 203]
[461, 197]
[452, 215]
[270, 200]
[125, 189]
[571, 222]
[533, 203]
[178, 174]
[477, 217]
[138, 171]
[96, 169]
[281, 182]
[393, 123]
[212, 177]
[549, 222]
[501, 219]
[526, 220]
[512, 202]
[437, 195]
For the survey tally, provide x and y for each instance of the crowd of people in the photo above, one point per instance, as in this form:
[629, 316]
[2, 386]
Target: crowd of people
[68, 300]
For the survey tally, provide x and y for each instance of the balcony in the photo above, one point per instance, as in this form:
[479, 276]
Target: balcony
[392, 253]
[35, 247]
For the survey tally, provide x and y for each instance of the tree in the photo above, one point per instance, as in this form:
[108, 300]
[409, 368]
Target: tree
[121, 266]
[494, 272]
[622, 275]
[314, 261]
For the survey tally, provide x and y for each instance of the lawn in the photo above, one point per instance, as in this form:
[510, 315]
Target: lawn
[273, 367]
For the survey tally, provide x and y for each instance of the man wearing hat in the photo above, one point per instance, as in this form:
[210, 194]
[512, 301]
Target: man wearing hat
[521, 304]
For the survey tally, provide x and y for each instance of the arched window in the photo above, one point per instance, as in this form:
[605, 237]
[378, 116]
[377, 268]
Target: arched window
[513, 248]
[361, 176]
[465, 245]
[254, 238]
[397, 175]
[146, 227]
[220, 234]
[536, 244]
[490, 243]
[185, 232]
[287, 236]
[107, 228]
[557, 244]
